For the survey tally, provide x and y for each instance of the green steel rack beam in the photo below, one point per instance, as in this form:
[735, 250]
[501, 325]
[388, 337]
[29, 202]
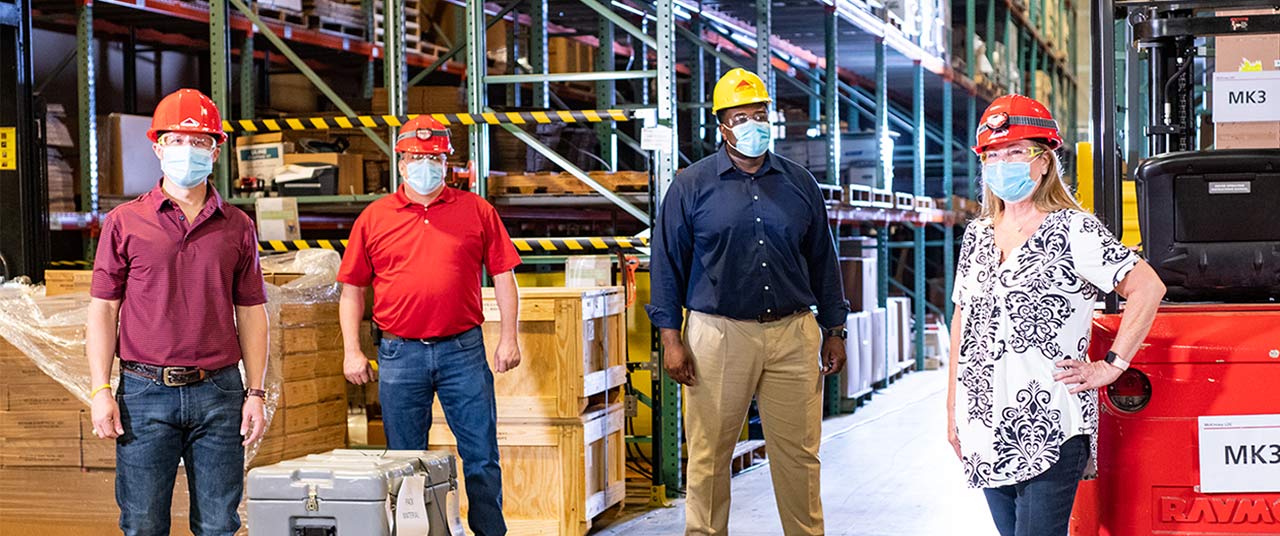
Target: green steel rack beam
[948, 188]
[606, 94]
[86, 83]
[220, 78]
[537, 51]
[830, 98]
[919, 293]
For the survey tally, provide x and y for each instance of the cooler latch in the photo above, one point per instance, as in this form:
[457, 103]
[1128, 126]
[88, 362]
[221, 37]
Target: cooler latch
[313, 502]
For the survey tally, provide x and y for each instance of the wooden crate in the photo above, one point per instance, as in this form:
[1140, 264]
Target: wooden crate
[573, 342]
[557, 475]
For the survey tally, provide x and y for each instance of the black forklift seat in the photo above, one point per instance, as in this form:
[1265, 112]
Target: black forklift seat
[1211, 223]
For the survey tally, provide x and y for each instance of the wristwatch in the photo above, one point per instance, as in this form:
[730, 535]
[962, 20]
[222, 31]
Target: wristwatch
[838, 331]
[260, 393]
[1115, 360]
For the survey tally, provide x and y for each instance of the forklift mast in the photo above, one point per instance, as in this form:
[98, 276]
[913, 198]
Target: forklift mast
[24, 203]
[1165, 31]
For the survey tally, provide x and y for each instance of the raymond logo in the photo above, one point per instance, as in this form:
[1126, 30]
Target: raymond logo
[1185, 510]
[189, 122]
[743, 86]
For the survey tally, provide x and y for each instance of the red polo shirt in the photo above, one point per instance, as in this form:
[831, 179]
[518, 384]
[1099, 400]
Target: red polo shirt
[424, 262]
[178, 282]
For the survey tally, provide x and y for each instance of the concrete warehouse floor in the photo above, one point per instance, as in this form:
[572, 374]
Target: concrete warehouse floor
[887, 471]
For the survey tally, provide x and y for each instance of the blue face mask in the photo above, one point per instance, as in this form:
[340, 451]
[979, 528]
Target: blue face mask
[424, 176]
[1010, 181]
[753, 138]
[186, 166]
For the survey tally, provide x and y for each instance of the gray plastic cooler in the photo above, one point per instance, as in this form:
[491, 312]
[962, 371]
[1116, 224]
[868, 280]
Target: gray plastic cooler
[348, 492]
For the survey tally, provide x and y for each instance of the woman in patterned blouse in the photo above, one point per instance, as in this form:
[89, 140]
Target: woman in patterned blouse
[1030, 271]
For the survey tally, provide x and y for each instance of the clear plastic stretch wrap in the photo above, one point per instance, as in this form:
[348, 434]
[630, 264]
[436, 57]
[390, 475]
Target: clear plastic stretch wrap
[51, 330]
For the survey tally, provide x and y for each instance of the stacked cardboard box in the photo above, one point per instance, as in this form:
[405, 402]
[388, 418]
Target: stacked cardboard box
[1247, 54]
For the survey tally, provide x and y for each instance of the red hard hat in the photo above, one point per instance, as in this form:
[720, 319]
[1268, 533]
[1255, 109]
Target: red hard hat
[1016, 117]
[423, 135]
[188, 111]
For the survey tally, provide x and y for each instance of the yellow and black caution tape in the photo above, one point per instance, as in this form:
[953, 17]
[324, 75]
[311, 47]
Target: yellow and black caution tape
[71, 264]
[374, 121]
[569, 246]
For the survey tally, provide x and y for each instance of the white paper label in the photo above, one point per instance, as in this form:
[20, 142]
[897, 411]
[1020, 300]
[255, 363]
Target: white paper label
[1248, 97]
[455, 514]
[655, 138]
[411, 508]
[1240, 453]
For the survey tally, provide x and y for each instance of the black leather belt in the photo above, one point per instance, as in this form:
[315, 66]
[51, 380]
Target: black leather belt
[766, 318]
[429, 340]
[170, 376]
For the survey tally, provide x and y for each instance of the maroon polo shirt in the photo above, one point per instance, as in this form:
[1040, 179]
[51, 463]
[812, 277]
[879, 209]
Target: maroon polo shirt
[178, 282]
[424, 261]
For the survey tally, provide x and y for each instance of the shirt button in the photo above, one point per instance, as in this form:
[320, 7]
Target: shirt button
[183, 218]
[757, 220]
[768, 310]
[762, 242]
[766, 287]
[765, 264]
[426, 221]
[755, 197]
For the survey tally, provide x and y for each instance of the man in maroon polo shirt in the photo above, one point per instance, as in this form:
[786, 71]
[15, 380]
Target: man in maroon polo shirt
[177, 274]
[422, 249]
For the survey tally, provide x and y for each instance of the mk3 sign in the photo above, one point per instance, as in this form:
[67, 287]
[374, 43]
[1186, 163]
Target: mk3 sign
[1246, 97]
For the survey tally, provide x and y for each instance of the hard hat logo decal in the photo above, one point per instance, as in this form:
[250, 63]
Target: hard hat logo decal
[423, 134]
[743, 86]
[189, 122]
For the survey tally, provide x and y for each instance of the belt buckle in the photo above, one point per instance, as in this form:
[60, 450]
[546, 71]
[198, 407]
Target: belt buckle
[168, 374]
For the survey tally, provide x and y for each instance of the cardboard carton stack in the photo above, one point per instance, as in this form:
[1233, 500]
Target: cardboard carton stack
[1256, 59]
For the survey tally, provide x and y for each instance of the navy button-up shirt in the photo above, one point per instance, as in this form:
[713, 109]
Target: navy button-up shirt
[742, 245]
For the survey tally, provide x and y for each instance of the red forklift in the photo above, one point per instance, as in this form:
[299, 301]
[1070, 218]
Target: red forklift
[1189, 436]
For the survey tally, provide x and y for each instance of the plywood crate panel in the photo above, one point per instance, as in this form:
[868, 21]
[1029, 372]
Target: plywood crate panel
[557, 475]
[573, 343]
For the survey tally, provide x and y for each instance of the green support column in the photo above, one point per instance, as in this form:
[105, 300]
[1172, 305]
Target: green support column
[991, 31]
[1011, 53]
[248, 77]
[220, 77]
[919, 292]
[367, 81]
[1072, 93]
[537, 49]
[831, 97]
[764, 55]
[948, 187]
[478, 135]
[669, 426]
[883, 180]
[606, 95]
[86, 83]
[395, 73]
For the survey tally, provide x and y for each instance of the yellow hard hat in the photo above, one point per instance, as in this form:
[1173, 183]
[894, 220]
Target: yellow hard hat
[737, 88]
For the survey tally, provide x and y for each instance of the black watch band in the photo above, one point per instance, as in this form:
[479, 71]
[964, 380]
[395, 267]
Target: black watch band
[838, 331]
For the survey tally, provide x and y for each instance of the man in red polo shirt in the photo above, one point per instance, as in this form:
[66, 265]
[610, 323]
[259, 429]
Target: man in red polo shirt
[422, 249]
[177, 274]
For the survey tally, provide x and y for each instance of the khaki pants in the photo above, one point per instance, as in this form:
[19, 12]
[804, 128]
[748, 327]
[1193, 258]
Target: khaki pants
[778, 363]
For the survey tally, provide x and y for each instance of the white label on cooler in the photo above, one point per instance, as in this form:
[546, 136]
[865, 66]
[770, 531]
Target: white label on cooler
[1240, 453]
[1246, 97]
[411, 507]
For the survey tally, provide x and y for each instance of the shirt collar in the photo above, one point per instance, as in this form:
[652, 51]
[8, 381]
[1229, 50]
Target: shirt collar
[724, 164]
[158, 200]
[446, 195]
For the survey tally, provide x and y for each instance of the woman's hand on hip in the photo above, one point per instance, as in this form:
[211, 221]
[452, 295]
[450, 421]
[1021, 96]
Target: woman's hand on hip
[1085, 376]
[953, 435]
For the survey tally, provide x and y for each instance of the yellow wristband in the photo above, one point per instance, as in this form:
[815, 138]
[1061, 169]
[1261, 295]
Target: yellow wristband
[95, 391]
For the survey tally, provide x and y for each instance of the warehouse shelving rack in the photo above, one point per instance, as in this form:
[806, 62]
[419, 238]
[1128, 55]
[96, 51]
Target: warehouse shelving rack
[867, 57]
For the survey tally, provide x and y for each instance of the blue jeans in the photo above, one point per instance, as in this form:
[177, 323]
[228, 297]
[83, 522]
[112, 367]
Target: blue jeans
[410, 375]
[198, 424]
[1041, 506]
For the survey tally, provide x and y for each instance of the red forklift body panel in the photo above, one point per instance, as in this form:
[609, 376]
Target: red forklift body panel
[1201, 360]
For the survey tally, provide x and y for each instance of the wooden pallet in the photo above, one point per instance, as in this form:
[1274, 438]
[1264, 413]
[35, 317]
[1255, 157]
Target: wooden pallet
[288, 17]
[337, 27]
[746, 455]
[564, 183]
[832, 194]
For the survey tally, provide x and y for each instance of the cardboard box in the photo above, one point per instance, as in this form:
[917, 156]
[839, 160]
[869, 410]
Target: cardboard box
[298, 367]
[40, 425]
[309, 314]
[1265, 135]
[309, 340]
[98, 453]
[426, 100]
[277, 218]
[40, 453]
[259, 156]
[329, 363]
[294, 94]
[46, 396]
[330, 388]
[301, 444]
[299, 393]
[376, 435]
[18, 370]
[331, 413]
[126, 155]
[1247, 53]
[60, 282]
[350, 168]
[300, 419]
[332, 437]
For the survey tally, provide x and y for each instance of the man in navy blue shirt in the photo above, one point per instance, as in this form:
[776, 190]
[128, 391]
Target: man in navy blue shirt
[743, 242]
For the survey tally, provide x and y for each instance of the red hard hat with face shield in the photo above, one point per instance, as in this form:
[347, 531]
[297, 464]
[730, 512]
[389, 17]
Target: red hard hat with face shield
[187, 111]
[1016, 117]
[423, 135]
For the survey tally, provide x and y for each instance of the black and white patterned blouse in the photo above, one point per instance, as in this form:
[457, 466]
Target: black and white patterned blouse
[1020, 317]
